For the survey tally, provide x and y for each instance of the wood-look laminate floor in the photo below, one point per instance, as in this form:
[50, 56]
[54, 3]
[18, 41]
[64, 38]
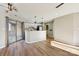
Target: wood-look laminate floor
[42, 48]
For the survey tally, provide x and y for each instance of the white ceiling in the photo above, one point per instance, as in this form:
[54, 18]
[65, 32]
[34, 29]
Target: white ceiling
[47, 11]
[40, 10]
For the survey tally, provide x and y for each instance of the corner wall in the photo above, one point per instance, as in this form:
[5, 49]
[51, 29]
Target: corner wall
[76, 29]
[2, 31]
[63, 29]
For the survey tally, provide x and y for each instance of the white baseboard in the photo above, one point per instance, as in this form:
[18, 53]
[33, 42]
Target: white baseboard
[66, 47]
[33, 41]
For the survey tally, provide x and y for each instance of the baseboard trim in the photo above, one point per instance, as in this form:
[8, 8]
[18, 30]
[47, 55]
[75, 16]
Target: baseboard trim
[66, 47]
[33, 41]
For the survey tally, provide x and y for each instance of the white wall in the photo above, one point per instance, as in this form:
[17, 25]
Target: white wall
[63, 29]
[2, 27]
[76, 29]
[19, 32]
[2, 31]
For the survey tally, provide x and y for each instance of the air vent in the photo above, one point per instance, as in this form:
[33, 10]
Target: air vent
[59, 5]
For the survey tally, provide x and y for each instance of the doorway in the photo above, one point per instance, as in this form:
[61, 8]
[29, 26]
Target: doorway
[14, 31]
[47, 27]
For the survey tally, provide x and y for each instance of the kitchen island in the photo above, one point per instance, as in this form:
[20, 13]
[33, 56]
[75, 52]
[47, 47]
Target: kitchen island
[34, 36]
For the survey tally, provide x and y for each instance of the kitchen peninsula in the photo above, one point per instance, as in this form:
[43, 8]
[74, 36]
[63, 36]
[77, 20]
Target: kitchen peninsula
[34, 35]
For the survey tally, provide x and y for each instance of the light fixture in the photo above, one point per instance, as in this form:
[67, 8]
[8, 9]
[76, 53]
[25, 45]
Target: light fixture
[11, 7]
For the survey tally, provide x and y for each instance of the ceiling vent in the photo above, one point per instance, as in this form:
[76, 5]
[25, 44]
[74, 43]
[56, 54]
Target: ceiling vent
[59, 5]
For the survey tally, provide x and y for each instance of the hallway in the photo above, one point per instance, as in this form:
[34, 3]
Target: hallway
[41, 48]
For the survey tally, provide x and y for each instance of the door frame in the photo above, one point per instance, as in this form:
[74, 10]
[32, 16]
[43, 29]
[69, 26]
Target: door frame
[7, 32]
[7, 27]
[15, 31]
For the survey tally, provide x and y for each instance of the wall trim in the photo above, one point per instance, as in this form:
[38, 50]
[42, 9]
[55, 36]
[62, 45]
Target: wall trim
[66, 47]
[33, 41]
